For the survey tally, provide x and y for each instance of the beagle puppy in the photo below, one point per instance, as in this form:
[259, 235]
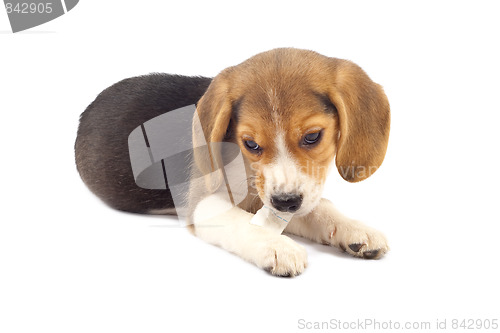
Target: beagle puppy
[293, 113]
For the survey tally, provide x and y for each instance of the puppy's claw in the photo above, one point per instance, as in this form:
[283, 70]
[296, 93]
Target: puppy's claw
[270, 270]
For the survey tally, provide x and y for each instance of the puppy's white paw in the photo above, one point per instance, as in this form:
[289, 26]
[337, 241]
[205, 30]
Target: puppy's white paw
[359, 240]
[281, 256]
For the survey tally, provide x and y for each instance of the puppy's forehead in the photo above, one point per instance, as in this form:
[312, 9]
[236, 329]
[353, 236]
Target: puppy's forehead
[274, 87]
[281, 103]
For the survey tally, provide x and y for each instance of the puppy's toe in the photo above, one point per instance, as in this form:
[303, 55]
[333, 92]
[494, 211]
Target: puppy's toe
[284, 257]
[356, 247]
[361, 241]
[371, 254]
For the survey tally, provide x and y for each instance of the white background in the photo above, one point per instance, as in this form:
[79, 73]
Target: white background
[68, 263]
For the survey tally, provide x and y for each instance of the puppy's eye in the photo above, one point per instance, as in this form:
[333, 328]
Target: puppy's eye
[312, 138]
[252, 146]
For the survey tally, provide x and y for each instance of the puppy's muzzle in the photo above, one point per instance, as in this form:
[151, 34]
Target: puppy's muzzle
[287, 202]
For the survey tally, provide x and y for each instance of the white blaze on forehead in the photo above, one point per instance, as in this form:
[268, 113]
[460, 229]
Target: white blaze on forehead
[283, 153]
[282, 175]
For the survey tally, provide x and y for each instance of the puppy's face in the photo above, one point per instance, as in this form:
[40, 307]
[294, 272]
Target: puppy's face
[289, 142]
[291, 112]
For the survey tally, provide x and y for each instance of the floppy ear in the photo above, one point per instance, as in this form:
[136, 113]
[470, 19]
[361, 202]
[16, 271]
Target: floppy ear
[214, 110]
[364, 117]
[214, 114]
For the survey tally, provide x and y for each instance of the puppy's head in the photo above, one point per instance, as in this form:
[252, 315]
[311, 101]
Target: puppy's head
[291, 112]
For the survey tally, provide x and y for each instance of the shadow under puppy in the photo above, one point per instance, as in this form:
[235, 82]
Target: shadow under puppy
[291, 112]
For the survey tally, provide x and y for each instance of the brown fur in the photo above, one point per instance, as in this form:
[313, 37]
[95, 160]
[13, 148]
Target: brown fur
[275, 98]
[296, 90]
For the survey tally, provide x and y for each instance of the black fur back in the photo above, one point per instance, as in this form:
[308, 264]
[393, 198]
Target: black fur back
[101, 148]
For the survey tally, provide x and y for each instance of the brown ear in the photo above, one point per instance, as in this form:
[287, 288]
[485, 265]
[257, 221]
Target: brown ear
[364, 116]
[214, 110]
[214, 113]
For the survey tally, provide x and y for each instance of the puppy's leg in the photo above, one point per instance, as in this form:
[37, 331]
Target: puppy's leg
[219, 223]
[326, 225]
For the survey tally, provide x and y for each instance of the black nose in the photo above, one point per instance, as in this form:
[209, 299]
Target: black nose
[287, 202]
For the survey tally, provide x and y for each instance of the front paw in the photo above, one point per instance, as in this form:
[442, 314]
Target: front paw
[359, 240]
[281, 256]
